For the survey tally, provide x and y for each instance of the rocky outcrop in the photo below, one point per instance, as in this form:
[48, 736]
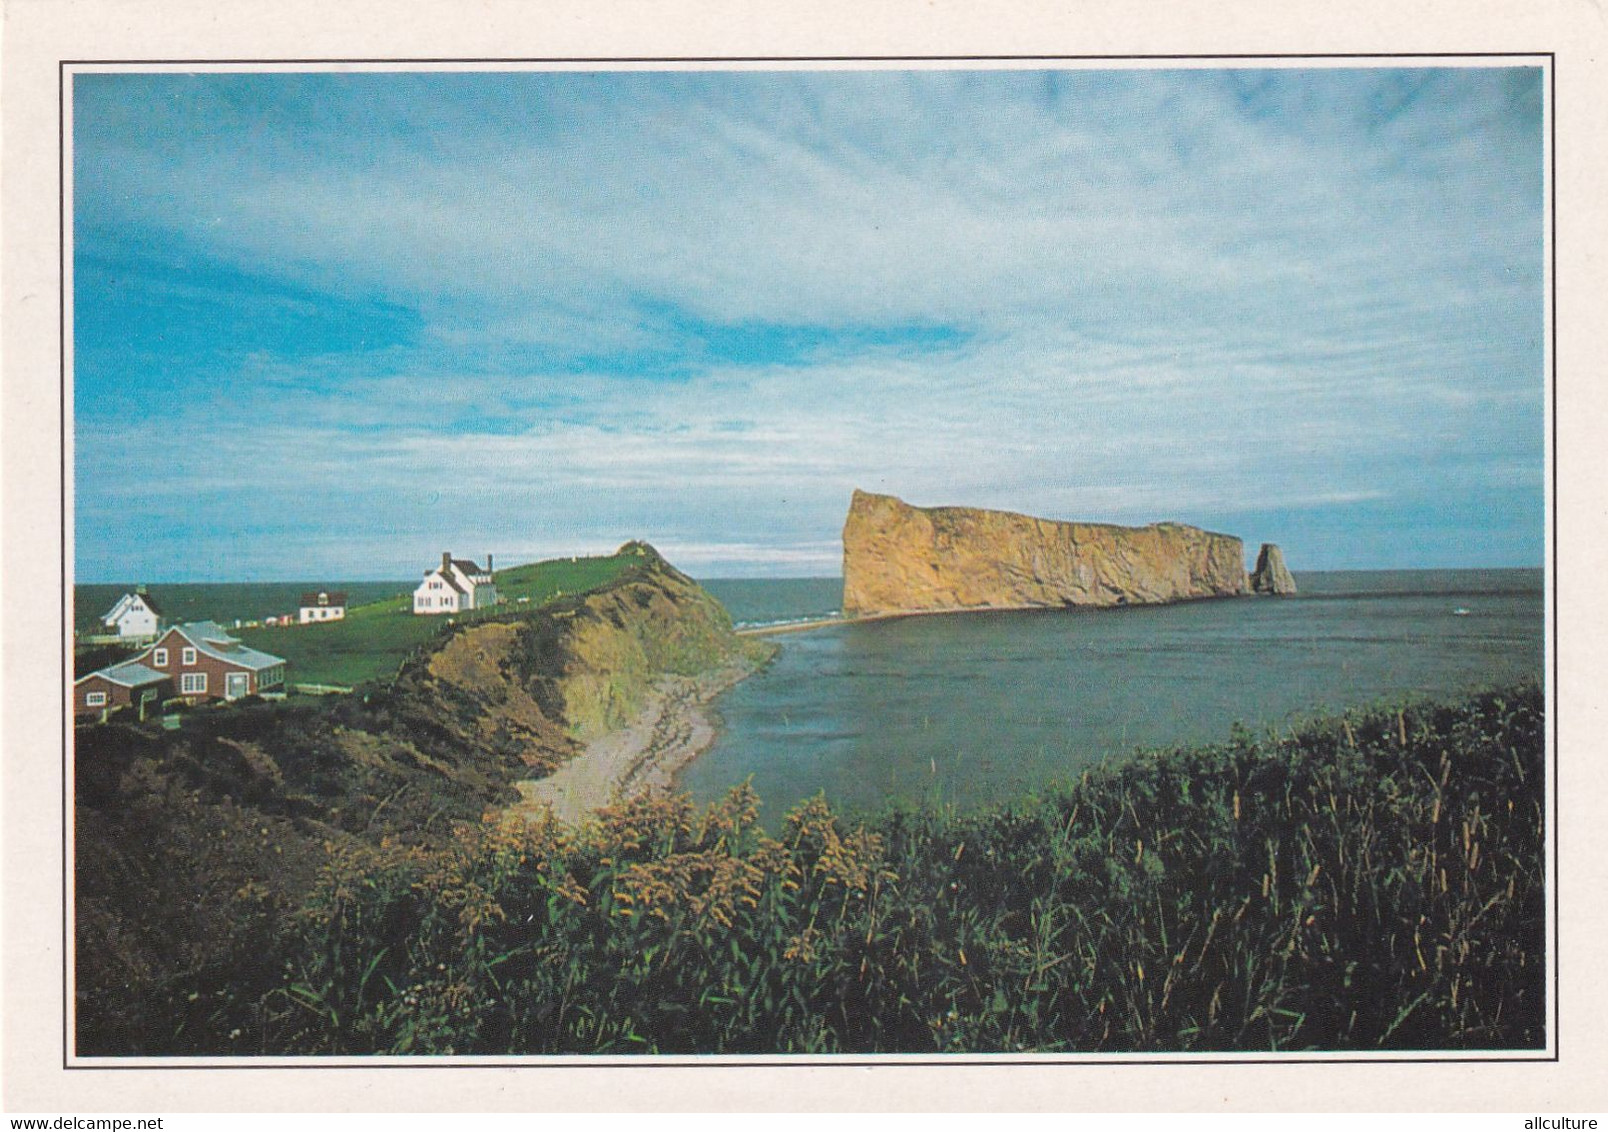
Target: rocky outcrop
[903, 559]
[1271, 576]
[539, 685]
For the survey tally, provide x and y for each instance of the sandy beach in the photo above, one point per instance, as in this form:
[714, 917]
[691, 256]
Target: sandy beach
[673, 728]
[789, 627]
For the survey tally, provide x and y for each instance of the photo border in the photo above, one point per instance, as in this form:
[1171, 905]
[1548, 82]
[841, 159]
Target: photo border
[1545, 60]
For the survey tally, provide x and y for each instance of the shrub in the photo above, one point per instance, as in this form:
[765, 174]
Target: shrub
[1374, 881]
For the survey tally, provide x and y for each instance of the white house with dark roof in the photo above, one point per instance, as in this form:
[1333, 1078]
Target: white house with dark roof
[455, 586]
[321, 606]
[134, 616]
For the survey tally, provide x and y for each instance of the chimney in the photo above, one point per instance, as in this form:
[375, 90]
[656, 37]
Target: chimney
[446, 561]
[488, 561]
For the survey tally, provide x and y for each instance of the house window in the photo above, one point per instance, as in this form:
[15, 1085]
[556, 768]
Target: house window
[94, 699]
[187, 657]
[159, 658]
[193, 683]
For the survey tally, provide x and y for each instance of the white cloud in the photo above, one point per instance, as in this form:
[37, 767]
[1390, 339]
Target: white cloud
[1168, 297]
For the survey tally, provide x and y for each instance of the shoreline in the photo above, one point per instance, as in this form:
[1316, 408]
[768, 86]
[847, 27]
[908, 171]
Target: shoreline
[673, 727]
[901, 614]
[792, 627]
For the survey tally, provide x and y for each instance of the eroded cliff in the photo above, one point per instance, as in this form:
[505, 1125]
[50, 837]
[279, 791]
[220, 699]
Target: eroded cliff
[538, 686]
[192, 843]
[903, 559]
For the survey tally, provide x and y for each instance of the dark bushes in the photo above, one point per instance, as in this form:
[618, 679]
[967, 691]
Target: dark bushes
[1375, 881]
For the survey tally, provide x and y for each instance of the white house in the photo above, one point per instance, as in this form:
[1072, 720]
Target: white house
[134, 615]
[322, 606]
[457, 585]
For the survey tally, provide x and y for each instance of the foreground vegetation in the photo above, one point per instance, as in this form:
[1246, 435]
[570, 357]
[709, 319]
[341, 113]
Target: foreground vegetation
[1371, 882]
[373, 640]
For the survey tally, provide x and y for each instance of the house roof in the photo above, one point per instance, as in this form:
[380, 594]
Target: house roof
[127, 600]
[467, 566]
[332, 598]
[445, 577]
[129, 674]
[210, 638]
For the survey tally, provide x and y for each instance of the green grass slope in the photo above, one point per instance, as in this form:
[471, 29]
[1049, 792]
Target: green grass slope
[374, 639]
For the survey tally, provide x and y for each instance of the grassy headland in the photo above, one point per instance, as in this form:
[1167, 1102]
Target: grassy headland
[196, 846]
[373, 640]
[1375, 881]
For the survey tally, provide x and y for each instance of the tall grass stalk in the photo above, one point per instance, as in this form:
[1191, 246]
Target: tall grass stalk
[1370, 882]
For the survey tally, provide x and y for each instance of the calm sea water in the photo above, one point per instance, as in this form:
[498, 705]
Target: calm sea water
[777, 601]
[979, 707]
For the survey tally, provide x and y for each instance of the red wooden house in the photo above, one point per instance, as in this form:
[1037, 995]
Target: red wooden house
[121, 685]
[197, 661]
[206, 663]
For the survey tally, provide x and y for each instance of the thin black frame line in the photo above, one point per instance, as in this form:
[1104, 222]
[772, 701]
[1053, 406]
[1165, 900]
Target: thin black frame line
[1557, 753]
[848, 1061]
[67, 904]
[1556, 1020]
[805, 58]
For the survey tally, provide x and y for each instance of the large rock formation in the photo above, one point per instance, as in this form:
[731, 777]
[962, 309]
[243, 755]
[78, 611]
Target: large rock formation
[1271, 576]
[903, 559]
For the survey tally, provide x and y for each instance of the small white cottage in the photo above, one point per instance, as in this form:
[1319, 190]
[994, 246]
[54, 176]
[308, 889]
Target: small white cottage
[135, 616]
[321, 606]
[456, 586]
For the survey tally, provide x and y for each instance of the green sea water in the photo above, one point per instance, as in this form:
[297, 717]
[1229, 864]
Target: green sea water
[977, 708]
[980, 707]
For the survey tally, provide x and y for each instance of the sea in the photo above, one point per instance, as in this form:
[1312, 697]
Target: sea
[971, 709]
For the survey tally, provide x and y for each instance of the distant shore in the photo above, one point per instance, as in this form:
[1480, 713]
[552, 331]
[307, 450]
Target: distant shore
[792, 627]
[901, 614]
[673, 728]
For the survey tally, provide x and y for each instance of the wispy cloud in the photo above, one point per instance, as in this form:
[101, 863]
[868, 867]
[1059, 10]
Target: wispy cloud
[700, 308]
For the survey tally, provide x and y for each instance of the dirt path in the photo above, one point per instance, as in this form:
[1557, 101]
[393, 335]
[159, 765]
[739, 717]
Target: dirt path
[673, 728]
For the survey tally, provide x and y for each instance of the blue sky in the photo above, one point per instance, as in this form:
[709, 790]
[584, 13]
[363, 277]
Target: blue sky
[328, 325]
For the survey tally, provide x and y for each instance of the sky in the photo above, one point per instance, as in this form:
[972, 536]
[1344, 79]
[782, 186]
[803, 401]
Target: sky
[328, 325]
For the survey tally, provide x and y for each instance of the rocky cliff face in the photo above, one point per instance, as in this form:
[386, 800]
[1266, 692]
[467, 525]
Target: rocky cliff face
[193, 843]
[903, 559]
[1271, 576]
[538, 686]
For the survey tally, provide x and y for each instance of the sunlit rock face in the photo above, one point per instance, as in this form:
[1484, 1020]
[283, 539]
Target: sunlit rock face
[1271, 576]
[903, 559]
